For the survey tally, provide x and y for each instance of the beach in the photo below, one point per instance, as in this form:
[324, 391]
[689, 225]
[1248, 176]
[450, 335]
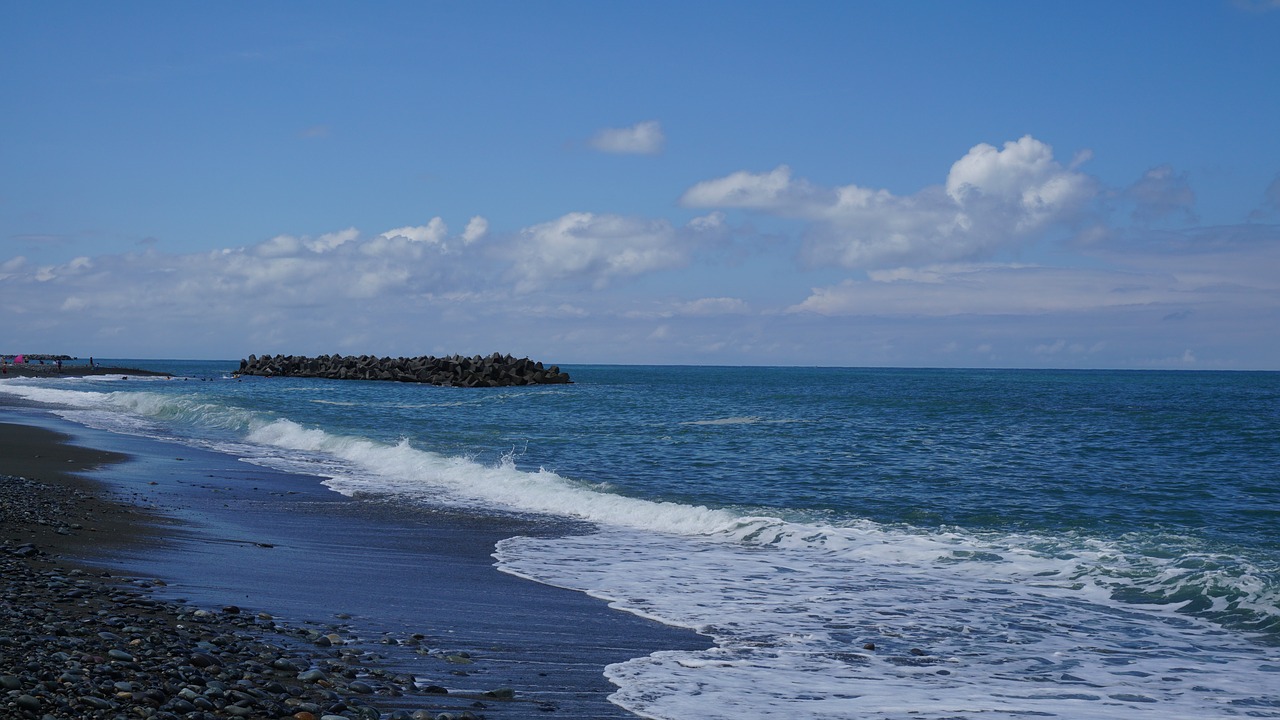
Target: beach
[84, 635]
[676, 542]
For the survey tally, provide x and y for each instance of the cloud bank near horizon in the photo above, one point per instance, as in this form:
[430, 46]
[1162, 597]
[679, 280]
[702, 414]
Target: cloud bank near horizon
[933, 277]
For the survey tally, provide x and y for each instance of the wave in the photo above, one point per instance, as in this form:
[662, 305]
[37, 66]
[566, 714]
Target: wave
[812, 616]
[896, 624]
[421, 475]
[1168, 572]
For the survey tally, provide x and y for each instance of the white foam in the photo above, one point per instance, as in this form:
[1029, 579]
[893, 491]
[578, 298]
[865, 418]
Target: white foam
[993, 637]
[1008, 625]
[412, 473]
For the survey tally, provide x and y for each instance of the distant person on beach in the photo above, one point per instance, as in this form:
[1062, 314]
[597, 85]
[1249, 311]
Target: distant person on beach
[90, 362]
[59, 364]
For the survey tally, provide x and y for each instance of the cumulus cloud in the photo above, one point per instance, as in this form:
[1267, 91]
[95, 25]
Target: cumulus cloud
[434, 232]
[991, 199]
[595, 249]
[645, 138]
[337, 279]
[477, 228]
[774, 191]
[282, 271]
[415, 239]
[330, 241]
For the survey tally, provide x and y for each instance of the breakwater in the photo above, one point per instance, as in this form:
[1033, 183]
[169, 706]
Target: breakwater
[494, 370]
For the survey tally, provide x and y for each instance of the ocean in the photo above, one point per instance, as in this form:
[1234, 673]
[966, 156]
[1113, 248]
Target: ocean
[889, 543]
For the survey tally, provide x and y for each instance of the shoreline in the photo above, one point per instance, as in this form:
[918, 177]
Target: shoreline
[93, 629]
[206, 527]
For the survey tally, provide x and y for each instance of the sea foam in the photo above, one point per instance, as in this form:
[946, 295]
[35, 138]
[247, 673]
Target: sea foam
[962, 624]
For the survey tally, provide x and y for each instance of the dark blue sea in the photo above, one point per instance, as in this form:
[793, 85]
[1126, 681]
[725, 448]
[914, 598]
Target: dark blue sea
[856, 542]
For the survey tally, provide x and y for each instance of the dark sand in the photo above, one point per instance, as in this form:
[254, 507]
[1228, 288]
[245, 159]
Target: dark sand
[415, 591]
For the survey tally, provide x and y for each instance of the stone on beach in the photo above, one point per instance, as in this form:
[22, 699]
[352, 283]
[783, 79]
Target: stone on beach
[81, 644]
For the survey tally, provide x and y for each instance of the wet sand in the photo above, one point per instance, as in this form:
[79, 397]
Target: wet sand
[415, 592]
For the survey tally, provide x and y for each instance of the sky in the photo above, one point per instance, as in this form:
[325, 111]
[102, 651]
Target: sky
[1047, 184]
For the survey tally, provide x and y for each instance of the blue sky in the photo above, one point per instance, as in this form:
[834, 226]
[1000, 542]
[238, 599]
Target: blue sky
[998, 184]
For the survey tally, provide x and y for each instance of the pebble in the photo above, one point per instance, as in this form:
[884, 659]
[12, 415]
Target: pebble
[83, 645]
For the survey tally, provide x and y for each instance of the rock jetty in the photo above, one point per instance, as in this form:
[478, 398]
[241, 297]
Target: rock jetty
[454, 371]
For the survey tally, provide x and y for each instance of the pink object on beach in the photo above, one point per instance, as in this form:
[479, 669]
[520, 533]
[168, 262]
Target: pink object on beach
[19, 359]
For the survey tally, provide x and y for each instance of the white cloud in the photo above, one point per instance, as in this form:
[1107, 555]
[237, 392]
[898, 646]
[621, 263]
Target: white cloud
[707, 307]
[288, 245]
[710, 223]
[373, 283]
[477, 228]
[434, 232]
[991, 199]
[278, 246]
[772, 191]
[331, 241]
[1008, 290]
[595, 249]
[643, 138]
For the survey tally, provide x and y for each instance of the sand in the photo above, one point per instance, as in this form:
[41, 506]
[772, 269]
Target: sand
[415, 592]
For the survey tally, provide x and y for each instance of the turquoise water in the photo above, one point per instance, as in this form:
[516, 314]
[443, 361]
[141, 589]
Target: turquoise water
[1066, 543]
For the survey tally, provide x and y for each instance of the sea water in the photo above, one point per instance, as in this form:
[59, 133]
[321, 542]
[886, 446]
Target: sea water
[856, 542]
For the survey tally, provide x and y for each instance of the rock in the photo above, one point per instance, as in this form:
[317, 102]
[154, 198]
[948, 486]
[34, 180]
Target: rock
[96, 703]
[495, 370]
[204, 660]
[501, 693]
[312, 675]
[87, 645]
